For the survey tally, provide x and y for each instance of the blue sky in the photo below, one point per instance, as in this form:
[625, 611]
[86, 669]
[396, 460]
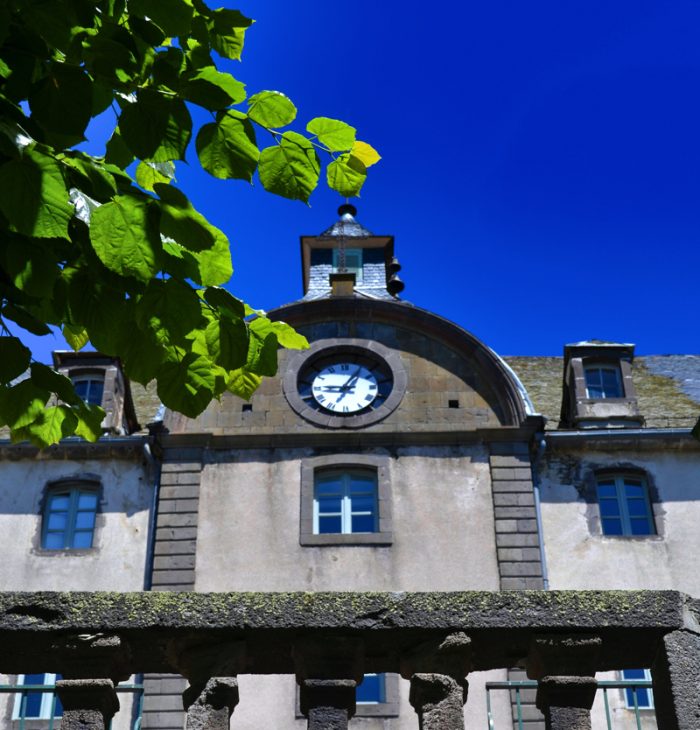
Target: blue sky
[541, 161]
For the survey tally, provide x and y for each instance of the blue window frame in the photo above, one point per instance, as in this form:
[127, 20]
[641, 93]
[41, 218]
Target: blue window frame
[350, 260]
[603, 381]
[372, 690]
[36, 704]
[89, 388]
[69, 517]
[624, 505]
[645, 697]
[345, 502]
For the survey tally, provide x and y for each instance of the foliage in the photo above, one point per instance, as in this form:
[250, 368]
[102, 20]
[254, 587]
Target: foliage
[107, 248]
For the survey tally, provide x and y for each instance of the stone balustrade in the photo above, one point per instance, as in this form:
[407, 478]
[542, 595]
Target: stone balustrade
[329, 640]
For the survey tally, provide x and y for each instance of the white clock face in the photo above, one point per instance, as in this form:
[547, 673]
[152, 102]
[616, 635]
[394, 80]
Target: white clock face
[344, 387]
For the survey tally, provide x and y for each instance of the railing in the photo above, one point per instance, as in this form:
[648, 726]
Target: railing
[330, 640]
[517, 687]
[22, 691]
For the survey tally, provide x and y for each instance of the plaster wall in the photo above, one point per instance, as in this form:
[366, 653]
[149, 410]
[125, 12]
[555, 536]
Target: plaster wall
[117, 560]
[579, 556]
[443, 531]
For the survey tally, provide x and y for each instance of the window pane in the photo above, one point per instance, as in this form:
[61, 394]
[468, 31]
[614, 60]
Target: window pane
[611, 383]
[87, 500]
[57, 521]
[612, 526]
[59, 502]
[329, 485]
[607, 489]
[329, 504]
[54, 540]
[85, 520]
[363, 523]
[609, 508]
[31, 701]
[364, 504]
[641, 526]
[634, 489]
[82, 539]
[371, 689]
[593, 378]
[637, 507]
[329, 525]
[633, 674]
[362, 483]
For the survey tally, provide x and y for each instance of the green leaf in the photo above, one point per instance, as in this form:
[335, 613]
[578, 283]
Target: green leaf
[186, 385]
[75, 336]
[89, 424]
[61, 103]
[52, 425]
[262, 348]
[169, 307]
[291, 168]
[271, 109]
[228, 149]
[125, 239]
[365, 153]
[33, 196]
[243, 383]
[213, 90]
[14, 358]
[150, 173]
[155, 127]
[91, 177]
[288, 337]
[24, 319]
[346, 175]
[48, 379]
[31, 268]
[214, 264]
[336, 135]
[180, 221]
[227, 31]
[174, 16]
[117, 153]
[225, 302]
[149, 31]
[227, 342]
[22, 403]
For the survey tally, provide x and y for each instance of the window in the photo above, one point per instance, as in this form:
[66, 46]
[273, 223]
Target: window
[603, 381]
[36, 704]
[69, 517]
[350, 260]
[371, 690]
[645, 698]
[345, 502]
[89, 388]
[624, 505]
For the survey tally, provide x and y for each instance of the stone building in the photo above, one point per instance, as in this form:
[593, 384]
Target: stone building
[398, 453]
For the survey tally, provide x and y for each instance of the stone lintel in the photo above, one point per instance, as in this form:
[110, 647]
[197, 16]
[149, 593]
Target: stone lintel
[199, 662]
[84, 656]
[329, 658]
[566, 655]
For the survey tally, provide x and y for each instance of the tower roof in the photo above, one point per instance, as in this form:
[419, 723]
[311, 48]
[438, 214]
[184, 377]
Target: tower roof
[346, 226]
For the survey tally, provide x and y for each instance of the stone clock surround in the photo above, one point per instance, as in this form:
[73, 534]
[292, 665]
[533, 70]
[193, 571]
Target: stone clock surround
[344, 346]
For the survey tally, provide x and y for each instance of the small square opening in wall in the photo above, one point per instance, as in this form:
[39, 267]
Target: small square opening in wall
[247, 407]
[453, 404]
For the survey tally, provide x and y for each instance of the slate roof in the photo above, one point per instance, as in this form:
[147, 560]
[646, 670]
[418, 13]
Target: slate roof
[668, 387]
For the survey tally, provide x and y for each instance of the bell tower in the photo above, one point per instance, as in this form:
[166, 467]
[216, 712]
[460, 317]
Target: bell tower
[348, 260]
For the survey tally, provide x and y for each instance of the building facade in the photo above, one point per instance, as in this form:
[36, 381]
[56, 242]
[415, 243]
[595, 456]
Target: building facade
[398, 453]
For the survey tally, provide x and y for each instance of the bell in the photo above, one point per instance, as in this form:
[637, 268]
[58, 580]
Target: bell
[395, 285]
[394, 267]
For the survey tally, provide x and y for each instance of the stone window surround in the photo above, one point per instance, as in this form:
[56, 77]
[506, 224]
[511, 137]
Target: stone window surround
[91, 481]
[309, 466]
[579, 365]
[388, 708]
[340, 345]
[590, 494]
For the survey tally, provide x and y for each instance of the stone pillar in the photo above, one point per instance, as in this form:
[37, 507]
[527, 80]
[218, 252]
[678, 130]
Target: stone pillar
[328, 670]
[676, 676]
[210, 706]
[565, 667]
[437, 670]
[328, 704]
[88, 704]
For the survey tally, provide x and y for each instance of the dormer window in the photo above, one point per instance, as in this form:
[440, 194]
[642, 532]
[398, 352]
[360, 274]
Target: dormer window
[603, 381]
[348, 260]
[89, 387]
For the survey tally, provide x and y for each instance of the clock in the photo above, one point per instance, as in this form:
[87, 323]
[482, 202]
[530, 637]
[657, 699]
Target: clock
[345, 383]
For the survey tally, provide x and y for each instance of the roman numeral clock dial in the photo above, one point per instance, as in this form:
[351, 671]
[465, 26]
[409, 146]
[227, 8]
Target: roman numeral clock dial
[350, 384]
